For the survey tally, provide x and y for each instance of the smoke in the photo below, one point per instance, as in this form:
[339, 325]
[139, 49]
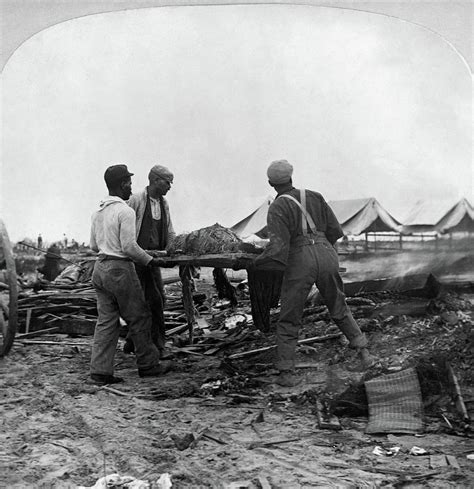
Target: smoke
[454, 263]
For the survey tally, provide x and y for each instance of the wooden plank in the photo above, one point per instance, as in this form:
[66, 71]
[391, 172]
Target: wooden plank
[314, 339]
[452, 461]
[177, 329]
[458, 398]
[189, 309]
[28, 319]
[269, 443]
[437, 461]
[57, 343]
[217, 260]
[263, 481]
[421, 285]
[32, 334]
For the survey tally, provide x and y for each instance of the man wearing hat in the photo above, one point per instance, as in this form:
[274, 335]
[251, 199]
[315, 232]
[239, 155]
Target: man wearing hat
[154, 231]
[302, 230]
[116, 283]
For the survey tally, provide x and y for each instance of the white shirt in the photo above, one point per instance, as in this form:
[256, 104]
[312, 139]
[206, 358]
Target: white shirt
[113, 231]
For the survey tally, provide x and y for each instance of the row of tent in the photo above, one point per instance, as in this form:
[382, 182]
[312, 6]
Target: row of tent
[360, 216]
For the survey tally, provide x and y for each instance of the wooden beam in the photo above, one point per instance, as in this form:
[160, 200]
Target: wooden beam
[187, 289]
[32, 334]
[457, 394]
[217, 260]
[314, 339]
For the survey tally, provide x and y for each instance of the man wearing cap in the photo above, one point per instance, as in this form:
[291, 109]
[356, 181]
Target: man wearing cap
[154, 231]
[302, 230]
[116, 283]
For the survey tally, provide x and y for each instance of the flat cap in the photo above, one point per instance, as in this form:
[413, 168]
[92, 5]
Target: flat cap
[116, 173]
[161, 172]
[279, 171]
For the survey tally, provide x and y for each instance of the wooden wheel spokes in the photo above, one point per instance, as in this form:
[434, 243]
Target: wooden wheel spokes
[8, 325]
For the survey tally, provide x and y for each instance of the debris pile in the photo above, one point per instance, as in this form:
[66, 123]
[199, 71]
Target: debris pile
[217, 417]
[72, 311]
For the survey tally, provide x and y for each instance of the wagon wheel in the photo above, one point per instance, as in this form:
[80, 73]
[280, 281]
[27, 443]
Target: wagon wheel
[8, 321]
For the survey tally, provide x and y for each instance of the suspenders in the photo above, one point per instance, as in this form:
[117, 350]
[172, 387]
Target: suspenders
[305, 217]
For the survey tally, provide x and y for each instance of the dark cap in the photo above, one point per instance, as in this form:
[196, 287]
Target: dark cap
[115, 174]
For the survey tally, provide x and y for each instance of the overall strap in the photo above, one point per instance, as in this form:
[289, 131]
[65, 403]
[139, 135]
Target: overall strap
[305, 217]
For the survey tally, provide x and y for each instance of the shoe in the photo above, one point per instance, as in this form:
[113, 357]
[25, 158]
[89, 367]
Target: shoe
[155, 371]
[287, 379]
[128, 346]
[101, 379]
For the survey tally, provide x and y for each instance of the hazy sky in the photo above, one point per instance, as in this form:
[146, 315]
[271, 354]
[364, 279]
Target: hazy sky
[363, 105]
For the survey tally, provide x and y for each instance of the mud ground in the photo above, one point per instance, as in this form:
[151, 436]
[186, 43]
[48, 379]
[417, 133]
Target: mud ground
[59, 431]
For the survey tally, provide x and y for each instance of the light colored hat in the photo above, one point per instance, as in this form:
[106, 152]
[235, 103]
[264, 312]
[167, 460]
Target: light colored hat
[161, 172]
[279, 172]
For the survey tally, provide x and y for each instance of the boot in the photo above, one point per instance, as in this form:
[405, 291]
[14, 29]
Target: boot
[349, 327]
[101, 379]
[156, 371]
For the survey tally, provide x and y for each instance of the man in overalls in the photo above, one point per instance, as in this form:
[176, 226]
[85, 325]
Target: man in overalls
[303, 230]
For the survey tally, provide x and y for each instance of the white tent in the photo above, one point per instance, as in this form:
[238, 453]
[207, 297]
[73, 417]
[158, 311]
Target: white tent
[358, 216]
[439, 216]
[255, 223]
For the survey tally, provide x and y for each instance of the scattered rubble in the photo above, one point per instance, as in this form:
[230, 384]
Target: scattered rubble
[218, 420]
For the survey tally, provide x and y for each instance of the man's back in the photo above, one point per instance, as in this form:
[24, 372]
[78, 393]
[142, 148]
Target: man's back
[113, 231]
[289, 214]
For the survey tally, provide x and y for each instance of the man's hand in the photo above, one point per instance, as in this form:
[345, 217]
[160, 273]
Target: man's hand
[243, 263]
[159, 262]
[157, 253]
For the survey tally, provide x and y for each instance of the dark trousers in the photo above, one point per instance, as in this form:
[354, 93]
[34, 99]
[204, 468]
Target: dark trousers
[119, 294]
[311, 262]
[152, 286]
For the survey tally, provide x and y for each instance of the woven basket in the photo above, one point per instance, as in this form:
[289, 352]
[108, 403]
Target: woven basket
[395, 403]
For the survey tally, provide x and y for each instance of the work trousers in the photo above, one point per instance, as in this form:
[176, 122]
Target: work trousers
[119, 294]
[152, 286]
[312, 260]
